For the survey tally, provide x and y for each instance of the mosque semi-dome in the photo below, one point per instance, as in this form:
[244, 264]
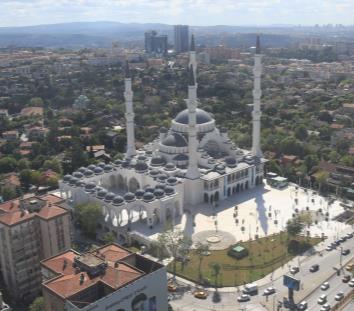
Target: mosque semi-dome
[175, 140]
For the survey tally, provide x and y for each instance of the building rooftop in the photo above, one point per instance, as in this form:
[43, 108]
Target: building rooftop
[110, 267]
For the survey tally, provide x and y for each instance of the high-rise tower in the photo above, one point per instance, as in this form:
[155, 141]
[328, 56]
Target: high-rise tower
[257, 93]
[181, 38]
[192, 103]
[129, 113]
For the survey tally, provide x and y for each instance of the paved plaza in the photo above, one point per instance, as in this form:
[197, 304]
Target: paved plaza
[261, 211]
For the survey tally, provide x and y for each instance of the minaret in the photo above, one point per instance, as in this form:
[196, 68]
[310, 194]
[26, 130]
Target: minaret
[193, 59]
[192, 102]
[257, 93]
[129, 113]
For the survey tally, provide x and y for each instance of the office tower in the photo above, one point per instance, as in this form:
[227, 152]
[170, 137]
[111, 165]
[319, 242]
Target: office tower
[155, 43]
[181, 38]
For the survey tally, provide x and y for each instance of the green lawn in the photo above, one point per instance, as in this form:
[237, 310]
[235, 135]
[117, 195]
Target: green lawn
[265, 255]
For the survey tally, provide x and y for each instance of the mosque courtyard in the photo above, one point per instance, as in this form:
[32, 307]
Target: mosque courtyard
[260, 211]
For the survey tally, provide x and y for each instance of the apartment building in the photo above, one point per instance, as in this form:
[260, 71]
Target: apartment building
[109, 278]
[31, 229]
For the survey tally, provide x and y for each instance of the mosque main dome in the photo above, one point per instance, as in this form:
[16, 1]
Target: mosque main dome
[201, 115]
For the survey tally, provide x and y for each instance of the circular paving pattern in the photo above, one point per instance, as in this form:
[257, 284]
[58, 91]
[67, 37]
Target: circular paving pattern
[217, 240]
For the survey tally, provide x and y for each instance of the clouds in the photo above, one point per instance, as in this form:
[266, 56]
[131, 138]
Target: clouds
[194, 12]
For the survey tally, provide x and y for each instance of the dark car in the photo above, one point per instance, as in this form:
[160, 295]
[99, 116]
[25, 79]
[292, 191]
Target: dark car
[345, 252]
[346, 278]
[314, 268]
[343, 239]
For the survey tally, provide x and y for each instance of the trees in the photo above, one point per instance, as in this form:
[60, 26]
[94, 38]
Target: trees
[109, 237]
[7, 164]
[176, 242]
[201, 249]
[87, 215]
[216, 269]
[37, 304]
[321, 178]
[294, 226]
[301, 132]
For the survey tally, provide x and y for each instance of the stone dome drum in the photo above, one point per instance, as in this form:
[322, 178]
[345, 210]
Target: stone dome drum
[205, 122]
[202, 117]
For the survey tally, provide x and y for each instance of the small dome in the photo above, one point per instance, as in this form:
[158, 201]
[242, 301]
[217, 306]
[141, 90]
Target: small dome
[162, 177]
[108, 168]
[117, 162]
[169, 190]
[79, 183]
[78, 175]
[125, 164]
[91, 167]
[109, 197]
[98, 170]
[141, 158]
[148, 152]
[202, 117]
[220, 167]
[118, 200]
[101, 193]
[154, 172]
[160, 186]
[157, 161]
[88, 173]
[149, 189]
[101, 164]
[181, 157]
[231, 162]
[139, 193]
[172, 181]
[66, 178]
[159, 193]
[129, 197]
[90, 187]
[211, 161]
[73, 181]
[175, 140]
[141, 167]
[148, 196]
[82, 169]
[170, 167]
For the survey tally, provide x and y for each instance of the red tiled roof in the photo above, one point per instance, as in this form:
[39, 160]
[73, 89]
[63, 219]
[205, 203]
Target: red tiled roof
[113, 253]
[56, 264]
[32, 111]
[51, 198]
[48, 212]
[68, 285]
[15, 217]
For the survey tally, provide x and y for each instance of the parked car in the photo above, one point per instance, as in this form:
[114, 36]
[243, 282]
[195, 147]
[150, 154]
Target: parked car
[325, 307]
[294, 270]
[345, 252]
[250, 289]
[302, 306]
[342, 239]
[322, 299]
[171, 287]
[346, 278]
[349, 235]
[314, 267]
[200, 294]
[325, 286]
[269, 291]
[244, 298]
[349, 267]
[351, 283]
[339, 296]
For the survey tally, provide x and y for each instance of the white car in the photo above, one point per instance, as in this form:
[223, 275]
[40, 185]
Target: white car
[294, 270]
[243, 298]
[322, 299]
[351, 283]
[325, 286]
[329, 248]
[339, 296]
[268, 291]
[325, 307]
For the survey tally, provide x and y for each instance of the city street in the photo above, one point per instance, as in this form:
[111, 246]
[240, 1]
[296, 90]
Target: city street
[308, 291]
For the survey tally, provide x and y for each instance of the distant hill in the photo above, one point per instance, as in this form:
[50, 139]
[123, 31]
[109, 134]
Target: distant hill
[102, 34]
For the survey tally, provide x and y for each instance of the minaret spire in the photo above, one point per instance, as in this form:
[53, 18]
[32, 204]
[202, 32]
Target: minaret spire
[257, 93]
[192, 103]
[129, 113]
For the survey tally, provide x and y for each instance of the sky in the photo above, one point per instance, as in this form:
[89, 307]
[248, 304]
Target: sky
[192, 12]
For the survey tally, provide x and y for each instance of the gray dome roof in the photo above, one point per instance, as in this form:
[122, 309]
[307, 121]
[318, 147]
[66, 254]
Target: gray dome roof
[154, 172]
[78, 175]
[231, 162]
[101, 164]
[88, 173]
[108, 168]
[202, 117]
[129, 196]
[148, 196]
[159, 193]
[109, 196]
[101, 193]
[181, 157]
[118, 200]
[141, 167]
[139, 193]
[82, 169]
[175, 140]
[91, 167]
[149, 189]
[172, 180]
[157, 161]
[98, 170]
[117, 162]
[90, 187]
[67, 178]
[73, 181]
[170, 166]
[169, 190]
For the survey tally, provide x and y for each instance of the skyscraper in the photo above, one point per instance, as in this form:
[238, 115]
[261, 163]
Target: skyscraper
[181, 38]
[155, 43]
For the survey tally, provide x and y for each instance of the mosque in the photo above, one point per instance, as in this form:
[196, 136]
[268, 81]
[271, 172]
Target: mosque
[191, 163]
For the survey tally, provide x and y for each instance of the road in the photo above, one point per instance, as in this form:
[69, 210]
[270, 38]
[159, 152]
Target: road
[309, 288]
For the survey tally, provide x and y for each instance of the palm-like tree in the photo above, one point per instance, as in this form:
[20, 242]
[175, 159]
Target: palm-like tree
[201, 250]
[216, 268]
